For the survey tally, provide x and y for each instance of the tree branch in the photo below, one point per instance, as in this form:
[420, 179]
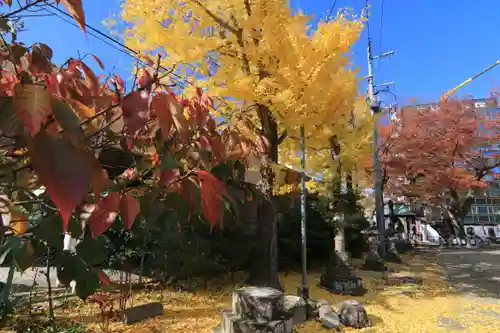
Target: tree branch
[23, 8]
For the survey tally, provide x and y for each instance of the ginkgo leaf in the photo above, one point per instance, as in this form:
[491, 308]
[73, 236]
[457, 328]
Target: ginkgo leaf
[75, 8]
[129, 209]
[104, 214]
[33, 105]
[65, 170]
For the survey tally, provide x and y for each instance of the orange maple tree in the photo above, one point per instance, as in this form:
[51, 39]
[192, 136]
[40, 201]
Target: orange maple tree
[442, 154]
[101, 152]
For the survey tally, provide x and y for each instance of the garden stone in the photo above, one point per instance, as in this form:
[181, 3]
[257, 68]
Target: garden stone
[296, 307]
[323, 310]
[331, 320]
[353, 314]
[328, 317]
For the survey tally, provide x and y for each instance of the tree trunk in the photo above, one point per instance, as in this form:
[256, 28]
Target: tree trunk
[264, 270]
[458, 210]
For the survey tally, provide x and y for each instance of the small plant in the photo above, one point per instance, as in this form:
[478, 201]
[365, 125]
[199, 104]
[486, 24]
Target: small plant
[105, 301]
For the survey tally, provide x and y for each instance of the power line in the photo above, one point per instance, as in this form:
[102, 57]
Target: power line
[329, 13]
[381, 33]
[109, 40]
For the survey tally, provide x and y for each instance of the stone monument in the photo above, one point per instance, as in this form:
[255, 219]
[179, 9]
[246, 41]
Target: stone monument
[256, 310]
[373, 261]
[339, 278]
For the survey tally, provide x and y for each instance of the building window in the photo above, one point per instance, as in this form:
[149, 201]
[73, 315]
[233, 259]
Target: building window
[482, 210]
[484, 218]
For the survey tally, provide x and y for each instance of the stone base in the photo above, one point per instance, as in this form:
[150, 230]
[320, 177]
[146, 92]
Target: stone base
[260, 310]
[232, 323]
[373, 262]
[344, 285]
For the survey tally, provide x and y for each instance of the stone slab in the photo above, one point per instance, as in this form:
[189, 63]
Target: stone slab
[141, 312]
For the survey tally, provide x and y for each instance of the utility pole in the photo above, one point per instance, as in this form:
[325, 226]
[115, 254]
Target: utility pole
[374, 103]
[304, 288]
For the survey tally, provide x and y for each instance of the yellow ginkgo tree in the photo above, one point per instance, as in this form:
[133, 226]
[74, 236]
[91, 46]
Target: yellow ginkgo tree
[269, 71]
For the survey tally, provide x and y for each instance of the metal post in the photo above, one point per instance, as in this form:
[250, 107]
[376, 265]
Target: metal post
[375, 107]
[304, 289]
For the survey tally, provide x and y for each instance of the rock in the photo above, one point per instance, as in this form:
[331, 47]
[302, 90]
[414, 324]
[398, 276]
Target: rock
[258, 303]
[324, 309]
[353, 314]
[327, 316]
[331, 320]
[296, 307]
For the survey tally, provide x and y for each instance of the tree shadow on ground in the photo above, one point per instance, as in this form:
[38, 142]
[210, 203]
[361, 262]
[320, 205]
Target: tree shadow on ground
[473, 272]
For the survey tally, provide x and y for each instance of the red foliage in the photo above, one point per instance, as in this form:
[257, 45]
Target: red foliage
[70, 113]
[438, 147]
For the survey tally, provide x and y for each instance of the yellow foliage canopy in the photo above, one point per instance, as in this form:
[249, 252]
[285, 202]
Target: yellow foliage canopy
[259, 52]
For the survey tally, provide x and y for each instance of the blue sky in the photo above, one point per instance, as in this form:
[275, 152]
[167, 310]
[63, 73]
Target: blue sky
[438, 43]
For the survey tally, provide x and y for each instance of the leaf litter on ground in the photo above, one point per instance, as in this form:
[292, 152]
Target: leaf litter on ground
[432, 306]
